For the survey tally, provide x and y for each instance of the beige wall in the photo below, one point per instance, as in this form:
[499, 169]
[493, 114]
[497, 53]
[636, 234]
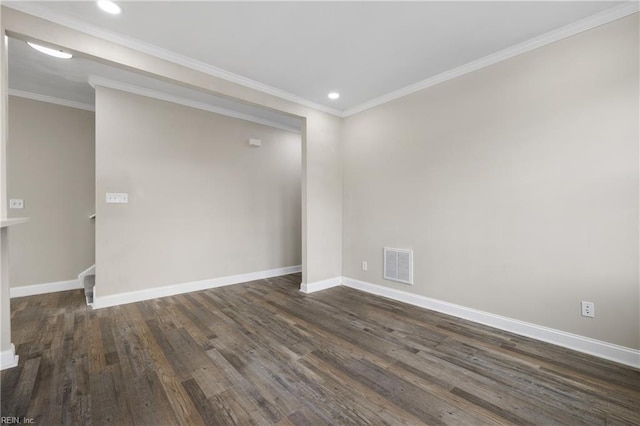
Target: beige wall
[202, 203]
[51, 165]
[516, 186]
[323, 199]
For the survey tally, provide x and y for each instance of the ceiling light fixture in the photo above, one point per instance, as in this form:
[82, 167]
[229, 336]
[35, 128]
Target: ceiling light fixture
[334, 95]
[56, 53]
[109, 7]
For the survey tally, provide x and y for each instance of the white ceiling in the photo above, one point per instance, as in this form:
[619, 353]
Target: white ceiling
[364, 50]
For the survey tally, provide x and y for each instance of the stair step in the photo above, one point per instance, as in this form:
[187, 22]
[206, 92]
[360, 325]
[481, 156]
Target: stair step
[89, 283]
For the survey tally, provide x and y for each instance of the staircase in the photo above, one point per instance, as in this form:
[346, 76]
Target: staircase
[88, 277]
[89, 283]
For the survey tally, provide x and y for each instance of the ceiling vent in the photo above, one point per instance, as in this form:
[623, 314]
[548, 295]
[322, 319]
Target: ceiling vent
[398, 265]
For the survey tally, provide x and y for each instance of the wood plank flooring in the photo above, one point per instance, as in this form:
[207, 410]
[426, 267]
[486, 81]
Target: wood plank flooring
[263, 353]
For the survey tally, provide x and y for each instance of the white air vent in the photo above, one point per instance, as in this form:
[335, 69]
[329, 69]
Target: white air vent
[398, 265]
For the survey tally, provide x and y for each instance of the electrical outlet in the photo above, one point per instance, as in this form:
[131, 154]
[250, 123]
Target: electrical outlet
[588, 309]
[365, 266]
[15, 203]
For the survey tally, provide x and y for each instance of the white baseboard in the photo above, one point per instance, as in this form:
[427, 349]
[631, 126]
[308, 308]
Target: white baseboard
[170, 290]
[91, 270]
[612, 352]
[8, 358]
[320, 285]
[30, 290]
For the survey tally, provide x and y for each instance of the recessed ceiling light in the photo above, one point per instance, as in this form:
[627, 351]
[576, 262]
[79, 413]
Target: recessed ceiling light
[334, 95]
[109, 7]
[56, 53]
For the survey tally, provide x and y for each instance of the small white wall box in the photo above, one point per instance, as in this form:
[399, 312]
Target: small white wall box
[255, 143]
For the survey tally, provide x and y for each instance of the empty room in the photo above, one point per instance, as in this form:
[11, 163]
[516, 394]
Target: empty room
[308, 213]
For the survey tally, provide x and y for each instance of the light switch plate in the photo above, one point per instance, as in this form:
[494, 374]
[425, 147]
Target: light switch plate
[117, 198]
[16, 203]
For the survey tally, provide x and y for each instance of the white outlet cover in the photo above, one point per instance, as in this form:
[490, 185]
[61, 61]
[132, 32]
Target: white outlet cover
[588, 309]
[16, 203]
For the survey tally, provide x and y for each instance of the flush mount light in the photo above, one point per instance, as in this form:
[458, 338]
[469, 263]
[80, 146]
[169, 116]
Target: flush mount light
[109, 7]
[56, 53]
[334, 95]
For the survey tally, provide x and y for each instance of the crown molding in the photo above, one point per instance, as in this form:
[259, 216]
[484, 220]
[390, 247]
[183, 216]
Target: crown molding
[604, 17]
[155, 94]
[577, 27]
[50, 99]
[168, 55]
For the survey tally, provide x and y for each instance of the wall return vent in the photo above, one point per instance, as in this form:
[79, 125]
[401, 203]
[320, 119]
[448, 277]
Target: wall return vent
[398, 265]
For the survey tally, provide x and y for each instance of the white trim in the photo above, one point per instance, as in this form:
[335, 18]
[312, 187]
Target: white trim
[153, 50]
[155, 94]
[10, 221]
[91, 270]
[50, 99]
[30, 290]
[612, 352]
[593, 21]
[8, 358]
[170, 290]
[320, 285]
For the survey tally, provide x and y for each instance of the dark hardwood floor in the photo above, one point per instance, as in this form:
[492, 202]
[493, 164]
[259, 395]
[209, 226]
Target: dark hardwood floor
[263, 353]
